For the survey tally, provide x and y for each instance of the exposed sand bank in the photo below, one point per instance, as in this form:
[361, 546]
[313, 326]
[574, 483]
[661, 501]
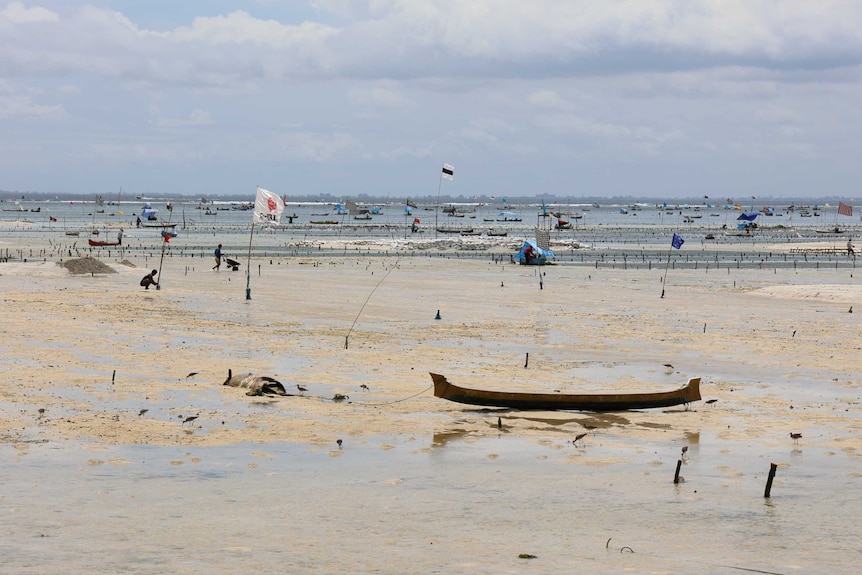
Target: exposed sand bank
[777, 349]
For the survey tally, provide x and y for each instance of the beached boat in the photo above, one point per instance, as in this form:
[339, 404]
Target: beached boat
[158, 225]
[552, 401]
[101, 243]
[453, 229]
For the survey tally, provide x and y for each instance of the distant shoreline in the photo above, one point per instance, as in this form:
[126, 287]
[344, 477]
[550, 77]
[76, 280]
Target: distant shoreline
[14, 196]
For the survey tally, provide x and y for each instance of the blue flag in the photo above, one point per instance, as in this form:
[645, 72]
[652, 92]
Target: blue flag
[677, 241]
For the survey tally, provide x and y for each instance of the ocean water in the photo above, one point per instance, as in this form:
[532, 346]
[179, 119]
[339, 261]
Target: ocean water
[394, 221]
[427, 504]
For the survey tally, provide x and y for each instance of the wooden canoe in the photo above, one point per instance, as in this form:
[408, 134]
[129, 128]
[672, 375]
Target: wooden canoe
[551, 401]
[98, 243]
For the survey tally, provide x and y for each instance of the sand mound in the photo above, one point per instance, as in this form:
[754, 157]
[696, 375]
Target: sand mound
[87, 266]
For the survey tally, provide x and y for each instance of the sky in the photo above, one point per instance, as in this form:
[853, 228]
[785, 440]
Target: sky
[574, 98]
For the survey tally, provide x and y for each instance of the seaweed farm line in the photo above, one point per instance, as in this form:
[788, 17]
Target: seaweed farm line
[598, 258]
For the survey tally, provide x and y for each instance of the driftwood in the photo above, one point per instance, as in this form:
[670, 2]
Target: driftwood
[256, 384]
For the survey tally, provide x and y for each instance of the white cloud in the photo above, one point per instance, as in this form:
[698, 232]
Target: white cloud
[17, 13]
[548, 100]
[427, 38]
[195, 118]
[502, 82]
[380, 95]
[314, 147]
[24, 108]
[240, 28]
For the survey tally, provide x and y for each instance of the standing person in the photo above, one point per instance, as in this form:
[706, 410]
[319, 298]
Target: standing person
[149, 280]
[120, 237]
[850, 250]
[217, 258]
[138, 223]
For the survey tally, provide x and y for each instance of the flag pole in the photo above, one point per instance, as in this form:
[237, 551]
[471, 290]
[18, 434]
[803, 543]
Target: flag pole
[161, 259]
[676, 242]
[267, 209]
[437, 209]
[248, 265]
[164, 241]
[666, 266]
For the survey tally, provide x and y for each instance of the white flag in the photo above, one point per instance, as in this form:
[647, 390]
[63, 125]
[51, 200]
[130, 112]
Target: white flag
[267, 207]
[448, 172]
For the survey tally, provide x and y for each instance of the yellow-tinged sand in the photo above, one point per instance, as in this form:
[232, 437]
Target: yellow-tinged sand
[779, 350]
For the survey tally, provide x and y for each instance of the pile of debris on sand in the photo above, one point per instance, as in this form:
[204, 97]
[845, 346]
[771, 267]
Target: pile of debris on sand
[87, 266]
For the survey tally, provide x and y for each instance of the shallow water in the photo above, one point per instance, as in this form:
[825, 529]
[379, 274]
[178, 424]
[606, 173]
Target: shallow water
[426, 505]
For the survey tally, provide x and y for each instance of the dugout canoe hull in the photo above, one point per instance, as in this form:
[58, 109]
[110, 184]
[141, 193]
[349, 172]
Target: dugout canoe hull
[444, 389]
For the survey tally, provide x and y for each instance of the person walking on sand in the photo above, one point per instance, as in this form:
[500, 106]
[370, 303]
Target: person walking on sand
[850, 250]
[217, 258]
[149, 280]
[120, 237]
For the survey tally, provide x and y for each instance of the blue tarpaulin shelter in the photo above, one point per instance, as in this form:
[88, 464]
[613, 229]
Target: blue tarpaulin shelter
[532, 255]
[748, 216]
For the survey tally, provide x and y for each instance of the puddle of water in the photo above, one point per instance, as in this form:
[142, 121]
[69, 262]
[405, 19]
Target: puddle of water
[420, 504]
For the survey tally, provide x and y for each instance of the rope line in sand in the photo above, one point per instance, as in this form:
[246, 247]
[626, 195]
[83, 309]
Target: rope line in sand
[321, 398]
[349, 331]
[655, 556]
[398, 400]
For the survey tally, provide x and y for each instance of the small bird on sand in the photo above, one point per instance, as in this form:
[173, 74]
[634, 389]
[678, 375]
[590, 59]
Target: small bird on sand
[339, 442]
[710, 401]
[668, 365]
[192, 374]
[301, 389]
[796, 437]
[189, 418]
[579, 437]
[143, 411]
[365, 387]
[684, 451]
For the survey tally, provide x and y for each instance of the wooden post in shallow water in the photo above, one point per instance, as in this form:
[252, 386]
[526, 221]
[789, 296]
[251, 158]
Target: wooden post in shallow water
[772, 468]
[676, 475]
[527, 361]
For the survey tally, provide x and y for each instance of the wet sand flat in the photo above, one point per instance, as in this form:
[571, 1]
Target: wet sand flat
[777, 349]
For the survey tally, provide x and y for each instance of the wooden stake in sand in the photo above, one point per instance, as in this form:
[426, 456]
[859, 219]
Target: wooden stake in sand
[772, 468]
[676, 475]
